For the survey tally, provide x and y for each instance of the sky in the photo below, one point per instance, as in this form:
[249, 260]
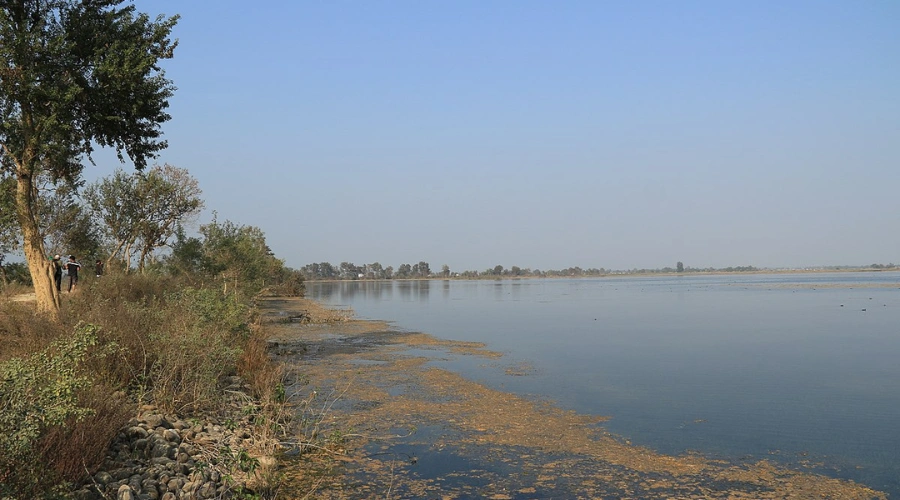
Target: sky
[543, 134]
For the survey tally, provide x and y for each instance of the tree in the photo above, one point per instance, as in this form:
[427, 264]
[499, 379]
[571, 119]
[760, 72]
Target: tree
[349, 271]
[445, 271]
[376, 270]
[113, 201]
[167, 197]
[679, 267]
[238, 255]
[141, 212]
[421, 270]
[66, 223]
[75, 74]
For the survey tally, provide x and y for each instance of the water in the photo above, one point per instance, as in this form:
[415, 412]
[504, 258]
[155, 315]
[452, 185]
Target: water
[796, 368]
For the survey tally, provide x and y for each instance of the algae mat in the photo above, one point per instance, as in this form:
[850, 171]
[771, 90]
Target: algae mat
[395, 427]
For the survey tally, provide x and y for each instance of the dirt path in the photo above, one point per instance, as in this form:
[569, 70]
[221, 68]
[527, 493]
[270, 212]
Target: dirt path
[405, 429]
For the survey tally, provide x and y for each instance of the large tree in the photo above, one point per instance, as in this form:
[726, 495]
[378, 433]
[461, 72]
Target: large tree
[75, 74]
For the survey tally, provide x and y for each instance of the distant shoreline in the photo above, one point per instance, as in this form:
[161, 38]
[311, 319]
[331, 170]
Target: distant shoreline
[622, 275]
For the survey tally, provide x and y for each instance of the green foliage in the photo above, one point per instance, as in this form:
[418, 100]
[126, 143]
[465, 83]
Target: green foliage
[66, 224]
[9, 224]
[235, 257]
[141, 212]
[37, 393]
[16, 272]
[212, 309]
[75, 74]
[285, 281]
[79, 73]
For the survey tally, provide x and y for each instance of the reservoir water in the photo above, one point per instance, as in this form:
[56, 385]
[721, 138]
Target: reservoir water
[803, 369]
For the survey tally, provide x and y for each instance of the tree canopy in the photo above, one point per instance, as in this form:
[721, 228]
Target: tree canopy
[75, 74]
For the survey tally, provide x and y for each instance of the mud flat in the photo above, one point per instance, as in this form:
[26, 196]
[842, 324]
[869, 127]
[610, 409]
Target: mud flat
[398, 427]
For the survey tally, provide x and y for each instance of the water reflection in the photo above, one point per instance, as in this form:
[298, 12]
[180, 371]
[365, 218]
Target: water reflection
[662, 354]
[344, 292]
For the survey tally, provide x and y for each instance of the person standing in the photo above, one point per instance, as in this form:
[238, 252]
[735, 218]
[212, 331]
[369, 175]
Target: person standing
[72, 268]
[57, 273]
[98, 267]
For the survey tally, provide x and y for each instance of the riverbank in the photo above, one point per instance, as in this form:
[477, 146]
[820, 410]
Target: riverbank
[399, 426]
[143, 387]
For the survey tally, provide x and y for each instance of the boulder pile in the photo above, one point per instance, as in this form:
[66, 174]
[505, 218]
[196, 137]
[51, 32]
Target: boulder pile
[163, 457]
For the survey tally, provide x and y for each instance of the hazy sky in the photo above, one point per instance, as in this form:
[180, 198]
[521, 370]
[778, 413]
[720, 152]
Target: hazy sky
[544, 134]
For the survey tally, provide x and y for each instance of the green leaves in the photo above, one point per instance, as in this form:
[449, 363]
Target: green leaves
[40, 392]
[75, 73]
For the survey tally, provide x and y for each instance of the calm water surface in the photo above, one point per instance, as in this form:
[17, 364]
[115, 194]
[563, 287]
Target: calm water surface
[803, 369]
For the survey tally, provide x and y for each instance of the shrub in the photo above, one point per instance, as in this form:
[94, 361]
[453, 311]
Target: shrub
[80, 445]
[38, 393]
[199, 342]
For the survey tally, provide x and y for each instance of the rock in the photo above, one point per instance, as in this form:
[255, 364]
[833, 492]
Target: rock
[125, 493]
[156, 420]
[148, 485]
[190, 486]
[168, 496]
[181, 424]
[140, 446]
[86, 494]
[171, 435]
[175, 485]
[208, 490]
[159, 450]
[136, 432]
[103, 478]
[122, 474]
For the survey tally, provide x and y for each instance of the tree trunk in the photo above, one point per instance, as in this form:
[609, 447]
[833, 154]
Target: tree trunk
[39, 266]
[126, 258]
[144, 252]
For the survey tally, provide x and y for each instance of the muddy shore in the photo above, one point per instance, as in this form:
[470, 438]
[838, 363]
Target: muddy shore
[399, 427]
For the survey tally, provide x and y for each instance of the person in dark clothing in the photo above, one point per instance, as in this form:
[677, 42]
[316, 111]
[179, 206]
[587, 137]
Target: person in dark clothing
[72, 268]
[57, 272]
[98, 267]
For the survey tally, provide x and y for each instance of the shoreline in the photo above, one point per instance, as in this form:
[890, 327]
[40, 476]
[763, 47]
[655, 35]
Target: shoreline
[619, 275]
[419, 430]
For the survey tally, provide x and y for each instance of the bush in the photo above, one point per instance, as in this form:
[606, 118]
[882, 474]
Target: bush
[38, 393]
[286, 282]
[175, 345]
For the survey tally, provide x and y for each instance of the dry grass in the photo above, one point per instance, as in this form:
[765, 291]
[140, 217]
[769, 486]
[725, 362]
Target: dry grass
[79, 447]
[23, 332]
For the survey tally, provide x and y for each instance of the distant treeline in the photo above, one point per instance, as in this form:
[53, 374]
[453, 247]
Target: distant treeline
[351, 271]
[422, 270]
